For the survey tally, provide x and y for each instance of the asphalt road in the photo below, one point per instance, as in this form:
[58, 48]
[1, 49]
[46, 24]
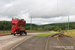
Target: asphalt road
[68, 45]
[39, 43]
[9, 41]
[54, 44]
[34, 43]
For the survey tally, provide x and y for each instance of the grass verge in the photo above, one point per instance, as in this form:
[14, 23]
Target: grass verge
[45, 34]
[70, 33]
[5, 32]
[35, 31]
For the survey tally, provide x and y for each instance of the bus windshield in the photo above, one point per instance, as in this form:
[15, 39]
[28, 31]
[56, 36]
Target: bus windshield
[13, 24]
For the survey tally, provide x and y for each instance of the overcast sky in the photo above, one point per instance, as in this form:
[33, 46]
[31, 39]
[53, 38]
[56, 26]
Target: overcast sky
[42, 11]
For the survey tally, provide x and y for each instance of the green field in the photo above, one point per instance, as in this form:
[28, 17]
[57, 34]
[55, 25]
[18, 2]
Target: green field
[28, 31]
[45, 34]
[70, 33]
[35, 31]
[5, 32]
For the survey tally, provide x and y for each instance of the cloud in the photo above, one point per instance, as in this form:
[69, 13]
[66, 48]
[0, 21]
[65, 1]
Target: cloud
[38, 8]
[46, 11]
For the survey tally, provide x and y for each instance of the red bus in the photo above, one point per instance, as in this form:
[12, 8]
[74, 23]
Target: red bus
[18, 26]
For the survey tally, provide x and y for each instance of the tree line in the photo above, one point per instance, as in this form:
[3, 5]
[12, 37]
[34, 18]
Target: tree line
[6, 25]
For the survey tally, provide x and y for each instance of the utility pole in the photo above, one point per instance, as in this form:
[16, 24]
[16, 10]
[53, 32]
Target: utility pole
[31, 24]
[68, 23]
